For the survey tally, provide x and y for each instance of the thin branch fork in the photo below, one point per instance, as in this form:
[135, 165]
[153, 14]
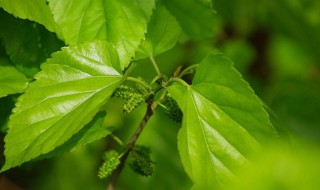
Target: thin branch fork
[150, 111]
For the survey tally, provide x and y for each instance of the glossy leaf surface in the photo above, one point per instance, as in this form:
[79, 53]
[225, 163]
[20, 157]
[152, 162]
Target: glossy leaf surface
[66, 95]
[122, 22]
[93, 131]
[223, 124]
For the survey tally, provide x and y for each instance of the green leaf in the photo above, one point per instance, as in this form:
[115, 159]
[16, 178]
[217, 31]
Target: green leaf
[223, 123]
[163, 33]
[7, 104]
[11, 80]
[35, 10]
[195, 19]
[66, 95]
[122, 22]
[288, 97]
[207, 3]
[293, 167]
[28, 44]
[93, 131]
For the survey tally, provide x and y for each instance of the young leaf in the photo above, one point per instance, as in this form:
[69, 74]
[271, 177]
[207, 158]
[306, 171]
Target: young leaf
[163, 33]
[11, 80]
[122, 22]
[35, 10]
[223, 122]
[195, 19]
[66, 95]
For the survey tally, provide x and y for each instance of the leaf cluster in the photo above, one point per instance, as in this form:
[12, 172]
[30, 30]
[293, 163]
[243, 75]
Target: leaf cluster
[66, 60]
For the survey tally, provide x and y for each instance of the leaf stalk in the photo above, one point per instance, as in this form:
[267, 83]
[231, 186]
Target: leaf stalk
[154, 63]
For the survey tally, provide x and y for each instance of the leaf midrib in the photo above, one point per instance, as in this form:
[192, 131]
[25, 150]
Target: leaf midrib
[33, 141]
[203, 133]
[64, 82]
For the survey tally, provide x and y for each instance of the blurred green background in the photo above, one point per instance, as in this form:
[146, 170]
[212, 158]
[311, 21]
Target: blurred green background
[276, 47]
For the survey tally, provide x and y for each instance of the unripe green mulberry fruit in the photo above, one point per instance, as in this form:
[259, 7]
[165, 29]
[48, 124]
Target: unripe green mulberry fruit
[123, 92]
[132, 100]
[172, 109]
[111, 162]
[142, 166]
[132, 103]
[141, 162]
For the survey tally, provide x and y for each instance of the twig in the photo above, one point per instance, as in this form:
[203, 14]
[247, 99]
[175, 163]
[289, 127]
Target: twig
[187, 70]
[143, 84]
[150, 111]
[6, 184]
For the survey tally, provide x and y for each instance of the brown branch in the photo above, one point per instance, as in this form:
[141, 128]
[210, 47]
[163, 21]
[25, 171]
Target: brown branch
[150, 111]
[6, 184]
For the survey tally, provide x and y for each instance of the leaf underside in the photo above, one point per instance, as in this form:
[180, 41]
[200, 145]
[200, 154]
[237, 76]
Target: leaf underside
[11, 80]
[163, 33]
[28, 44]
[35, 10]
[194, 18]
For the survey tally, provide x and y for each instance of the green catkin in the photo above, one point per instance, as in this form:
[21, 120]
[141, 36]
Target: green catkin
[123, 92]
[111, 162]
[110, 154]
[132, 99]
[132, 103]
[172, 109]
[141, 162]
